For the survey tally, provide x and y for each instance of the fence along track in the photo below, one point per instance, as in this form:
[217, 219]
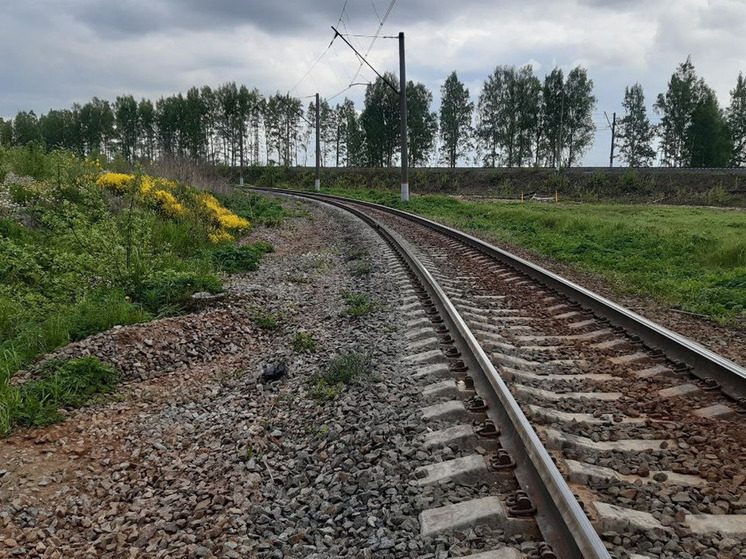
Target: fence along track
[561, 518]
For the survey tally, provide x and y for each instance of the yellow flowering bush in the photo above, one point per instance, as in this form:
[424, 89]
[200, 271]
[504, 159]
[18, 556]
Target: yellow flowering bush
[220, 237]
[225, 218]
[167, 203]
[118, 183]
[164, 196]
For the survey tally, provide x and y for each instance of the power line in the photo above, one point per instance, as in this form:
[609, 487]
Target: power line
[346, 89]
[282, 99]
[363, 60]
[313, 65]
[369, 36]
[378, 31]
[342, 13]
[339, 20]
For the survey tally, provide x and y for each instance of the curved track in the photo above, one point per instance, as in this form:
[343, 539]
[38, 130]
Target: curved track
[612, 396]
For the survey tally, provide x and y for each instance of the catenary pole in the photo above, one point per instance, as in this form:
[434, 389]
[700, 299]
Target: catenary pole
[318, 146]
[613, 137]
[403, 107]
[559, 139]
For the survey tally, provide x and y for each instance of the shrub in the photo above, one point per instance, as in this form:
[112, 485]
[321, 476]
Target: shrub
[346, 368]
[233, 259]
[169, 291]
[304, 341]
[60, 384]
[102, 310]
[358, 304]
[255, 208]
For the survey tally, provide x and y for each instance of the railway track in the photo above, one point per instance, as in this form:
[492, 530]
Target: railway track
[597, 432]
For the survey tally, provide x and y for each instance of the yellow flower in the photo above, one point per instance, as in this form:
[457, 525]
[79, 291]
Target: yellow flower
[226, 218]
[146, 184]
[220, 236]
[168, 203]
[116, 182]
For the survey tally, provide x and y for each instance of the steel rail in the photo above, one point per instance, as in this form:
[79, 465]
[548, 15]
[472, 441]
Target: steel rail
[705, 363]
[569, 529]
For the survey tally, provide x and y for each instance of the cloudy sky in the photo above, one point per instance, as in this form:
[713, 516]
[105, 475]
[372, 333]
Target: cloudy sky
[56, 52]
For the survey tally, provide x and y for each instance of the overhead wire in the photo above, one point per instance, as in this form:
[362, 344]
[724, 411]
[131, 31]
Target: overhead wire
[375, 37]
[316, 63]
[313, 65]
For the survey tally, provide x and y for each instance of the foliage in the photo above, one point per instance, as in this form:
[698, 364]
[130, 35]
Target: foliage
[303, 341]
[169, 291]
[422, 125]
[161, 195]
[577, 125]
[635, 134]
[736, 116]
[346, 368]
[233, 259]
[676, 108]
[455, 119]
[282, 117]
[259, 210]
[381, 122]
[508, 115]
[82, 251]
[58, 384]
[711, 145]
[358, 304]
[690, 258]
[551, 117]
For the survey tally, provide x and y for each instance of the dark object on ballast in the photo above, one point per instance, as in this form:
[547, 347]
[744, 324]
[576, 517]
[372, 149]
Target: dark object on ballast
[274, 371]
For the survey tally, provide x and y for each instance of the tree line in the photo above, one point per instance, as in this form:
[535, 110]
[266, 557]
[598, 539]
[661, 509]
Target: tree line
[517, 120]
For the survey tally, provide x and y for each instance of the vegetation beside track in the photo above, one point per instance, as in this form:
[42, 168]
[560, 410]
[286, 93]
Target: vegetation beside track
[82, 250]
[690, 258]
[710, 187]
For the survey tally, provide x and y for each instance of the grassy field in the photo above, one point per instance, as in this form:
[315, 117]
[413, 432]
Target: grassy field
[691, 258]
[82, 250]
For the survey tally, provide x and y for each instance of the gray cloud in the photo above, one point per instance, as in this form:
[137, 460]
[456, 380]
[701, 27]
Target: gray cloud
[56, 53]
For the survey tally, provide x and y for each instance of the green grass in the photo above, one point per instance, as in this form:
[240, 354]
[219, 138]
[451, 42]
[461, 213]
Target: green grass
[267, 320]
[346, 368]
[303, 341]
[234, 259]
[691, 258]
[358, 304]
[77, 259]
[57, 384]
[361, 268]
[259, 210]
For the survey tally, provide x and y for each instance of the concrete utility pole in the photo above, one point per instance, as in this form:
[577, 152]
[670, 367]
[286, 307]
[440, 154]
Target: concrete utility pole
[402, 92]
[613, 137]
[403, 107]
[318, 146]
[559, 139]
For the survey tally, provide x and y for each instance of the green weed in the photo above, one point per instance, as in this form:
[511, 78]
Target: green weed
[303, 341]
[358, 304]
[267, 320]
[681, 256]
[361, 268]
[259, 210]
[356, 253]
[233, 259]
[346, 368]
[60, 384]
